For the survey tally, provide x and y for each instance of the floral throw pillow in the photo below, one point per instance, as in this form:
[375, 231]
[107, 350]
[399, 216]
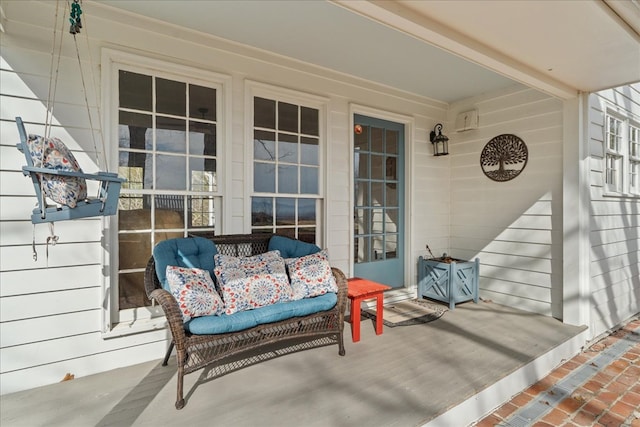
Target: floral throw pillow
[195, 292]
[251, 282]
[311, 275]
[51, 153]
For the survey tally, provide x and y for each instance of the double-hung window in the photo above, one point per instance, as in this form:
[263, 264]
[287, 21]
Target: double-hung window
[287, 177]
[622, 156]
[167, 126]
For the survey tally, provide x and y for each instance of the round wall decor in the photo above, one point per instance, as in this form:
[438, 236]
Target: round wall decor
[504, 157]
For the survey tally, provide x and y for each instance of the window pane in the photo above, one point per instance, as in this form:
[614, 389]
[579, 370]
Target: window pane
[171, 172]
[287, 179]
[264, 177]
[362, 248]
[391, 142]
[131, 291]
[264, 145]
[361, 161]
[377, 167]
[307, 234]
[287, 117]
[134, 250]
[133, 214]
[261, 211]
[377, 140]
[306, 211]
[171, 97]
[377, 221]
[171, 135]
[134, 91]
[361, 140]
[377, 194]
[202, 139]
[134, 131]
[391, 246]
[201, 212]
[391, 220]
[203, 174]
[137, 176]
[362, 193]
[391, 195]
[308, 180]
[287, 148]
[202, 102]
[309, 151]
[264, 113]
[287, 232]
[362, 221]
[309, 121]
[285, 211]
[169, 211]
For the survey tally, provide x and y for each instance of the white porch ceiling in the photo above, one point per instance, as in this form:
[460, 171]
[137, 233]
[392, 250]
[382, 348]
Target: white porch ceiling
[444, 50]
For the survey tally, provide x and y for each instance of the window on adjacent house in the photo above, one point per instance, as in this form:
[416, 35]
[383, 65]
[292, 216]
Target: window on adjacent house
[286, 169]
[168, 151]
[622, 156]
[634, 159]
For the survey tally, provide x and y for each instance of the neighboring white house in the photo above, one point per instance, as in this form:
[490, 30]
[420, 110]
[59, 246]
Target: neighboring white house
[561, 239]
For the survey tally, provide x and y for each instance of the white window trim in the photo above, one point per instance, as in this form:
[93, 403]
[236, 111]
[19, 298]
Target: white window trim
[263, 90]
[147, 319]
[624, 189]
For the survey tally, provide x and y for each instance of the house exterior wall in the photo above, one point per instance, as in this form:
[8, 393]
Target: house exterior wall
[614, 236]
[514, 227]
[55, 312]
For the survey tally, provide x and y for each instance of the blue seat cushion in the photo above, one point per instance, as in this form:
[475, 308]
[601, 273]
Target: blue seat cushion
[189, 252]
[207, 325]
[292, 248]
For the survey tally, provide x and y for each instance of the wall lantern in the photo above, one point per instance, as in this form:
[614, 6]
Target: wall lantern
[440, 142]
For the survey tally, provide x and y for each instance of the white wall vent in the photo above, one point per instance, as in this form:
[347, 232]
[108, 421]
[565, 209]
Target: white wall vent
[467, 120]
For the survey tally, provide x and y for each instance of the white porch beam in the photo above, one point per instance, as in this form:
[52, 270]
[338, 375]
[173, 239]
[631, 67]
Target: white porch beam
[435, 33]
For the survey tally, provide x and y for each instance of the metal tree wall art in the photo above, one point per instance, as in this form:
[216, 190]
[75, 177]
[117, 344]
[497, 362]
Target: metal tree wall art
[504, 157]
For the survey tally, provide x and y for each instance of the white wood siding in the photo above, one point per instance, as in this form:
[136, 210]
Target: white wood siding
[51, 310]
[514, 227]
[614, 223]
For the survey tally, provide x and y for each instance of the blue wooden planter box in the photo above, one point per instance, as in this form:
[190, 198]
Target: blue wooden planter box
[450, 283]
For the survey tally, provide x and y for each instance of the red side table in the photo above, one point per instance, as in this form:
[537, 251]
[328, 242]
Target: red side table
[360, 290]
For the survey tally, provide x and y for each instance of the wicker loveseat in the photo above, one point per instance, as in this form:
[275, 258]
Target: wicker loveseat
[207, 340]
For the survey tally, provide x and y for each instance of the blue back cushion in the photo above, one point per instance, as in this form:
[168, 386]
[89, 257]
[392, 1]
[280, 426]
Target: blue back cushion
[192, 252]
[291, 248]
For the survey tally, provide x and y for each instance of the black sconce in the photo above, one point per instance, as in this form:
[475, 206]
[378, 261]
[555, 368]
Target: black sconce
[440, 142]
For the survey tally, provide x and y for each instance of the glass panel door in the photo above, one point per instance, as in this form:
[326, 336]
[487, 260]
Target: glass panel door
[379, 200]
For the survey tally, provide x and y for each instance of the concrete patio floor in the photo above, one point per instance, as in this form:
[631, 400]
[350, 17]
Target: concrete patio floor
[453, 370]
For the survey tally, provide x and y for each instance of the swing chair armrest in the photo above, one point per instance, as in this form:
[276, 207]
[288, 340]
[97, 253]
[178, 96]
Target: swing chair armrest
[172, 313]
[100, 176]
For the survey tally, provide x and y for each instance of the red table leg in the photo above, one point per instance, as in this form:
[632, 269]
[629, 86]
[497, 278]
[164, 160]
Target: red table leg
[355, 319]
[379, 314]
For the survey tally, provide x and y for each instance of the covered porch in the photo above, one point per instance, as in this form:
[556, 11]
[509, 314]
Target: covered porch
[451, 371]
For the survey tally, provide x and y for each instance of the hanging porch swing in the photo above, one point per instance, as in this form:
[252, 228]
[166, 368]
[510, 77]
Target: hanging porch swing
[54, 171]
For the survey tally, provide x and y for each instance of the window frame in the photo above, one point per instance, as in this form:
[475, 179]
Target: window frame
[618, 159]
[118, 322]
[255, 89]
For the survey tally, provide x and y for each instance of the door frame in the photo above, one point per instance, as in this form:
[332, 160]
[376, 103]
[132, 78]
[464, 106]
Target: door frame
[409, 138]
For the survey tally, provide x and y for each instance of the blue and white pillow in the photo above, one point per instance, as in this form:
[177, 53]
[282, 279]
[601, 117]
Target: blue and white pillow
[311, 275]
[252, 282]
[195, 292]
[51, 153]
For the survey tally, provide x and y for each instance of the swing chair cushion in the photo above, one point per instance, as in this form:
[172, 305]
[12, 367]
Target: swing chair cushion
[51, 153]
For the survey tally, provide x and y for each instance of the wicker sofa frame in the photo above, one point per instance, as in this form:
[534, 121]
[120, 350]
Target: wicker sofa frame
[194, 352]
